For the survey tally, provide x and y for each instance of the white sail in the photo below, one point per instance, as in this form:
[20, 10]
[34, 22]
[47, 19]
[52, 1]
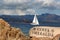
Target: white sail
[35, 21]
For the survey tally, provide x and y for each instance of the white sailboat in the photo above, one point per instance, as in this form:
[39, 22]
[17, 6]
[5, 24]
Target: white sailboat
[35, 21]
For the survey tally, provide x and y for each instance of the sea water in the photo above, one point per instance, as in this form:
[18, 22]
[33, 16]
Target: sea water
[25, 27]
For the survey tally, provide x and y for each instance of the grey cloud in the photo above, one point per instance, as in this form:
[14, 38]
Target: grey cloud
[33, 5]
[29, 5]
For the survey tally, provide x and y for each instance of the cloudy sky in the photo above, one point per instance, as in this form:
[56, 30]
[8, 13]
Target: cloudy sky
[23, 7]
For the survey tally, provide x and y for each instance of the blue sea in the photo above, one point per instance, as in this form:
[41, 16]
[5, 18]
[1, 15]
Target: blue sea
[25, 27]
[23, 22]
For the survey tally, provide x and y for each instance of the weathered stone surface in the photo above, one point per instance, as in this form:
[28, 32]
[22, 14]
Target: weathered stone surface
[40, 38]
[10, 33]
[57, 37]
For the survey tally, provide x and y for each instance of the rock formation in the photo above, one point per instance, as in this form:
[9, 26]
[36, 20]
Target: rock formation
[57, 37]
[40, 38]
[10, 33]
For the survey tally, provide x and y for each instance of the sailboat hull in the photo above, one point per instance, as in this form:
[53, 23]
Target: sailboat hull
[34, 24]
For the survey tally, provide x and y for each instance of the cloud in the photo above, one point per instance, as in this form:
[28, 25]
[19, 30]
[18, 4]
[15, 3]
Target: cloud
[30, 11]
[11, 12]
[28, 6]
[50, 4]
[17, 12]
[15, 1]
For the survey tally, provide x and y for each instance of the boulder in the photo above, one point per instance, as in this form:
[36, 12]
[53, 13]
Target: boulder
[10, 33]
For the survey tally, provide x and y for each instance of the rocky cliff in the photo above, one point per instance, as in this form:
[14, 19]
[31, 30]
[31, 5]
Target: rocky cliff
[10, 33]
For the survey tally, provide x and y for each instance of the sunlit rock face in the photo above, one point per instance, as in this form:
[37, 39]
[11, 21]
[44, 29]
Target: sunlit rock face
[57, 37]
[40, 38]
[44, 33]
[10, 33]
